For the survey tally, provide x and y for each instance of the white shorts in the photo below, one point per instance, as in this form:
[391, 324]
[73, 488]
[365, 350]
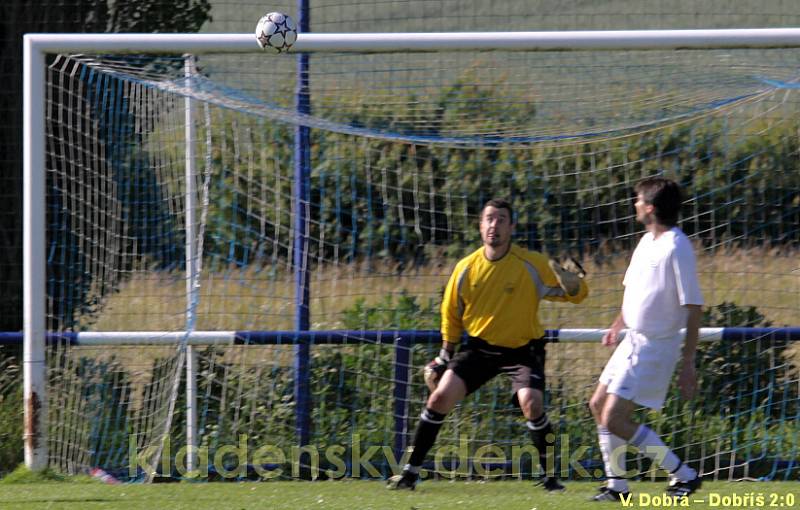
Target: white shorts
[641, 369]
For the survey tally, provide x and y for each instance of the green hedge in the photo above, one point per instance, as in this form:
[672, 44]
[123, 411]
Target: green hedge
[741, 186]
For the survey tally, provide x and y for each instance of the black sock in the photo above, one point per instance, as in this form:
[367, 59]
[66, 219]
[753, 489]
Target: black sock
[540, 429]
[427, 429]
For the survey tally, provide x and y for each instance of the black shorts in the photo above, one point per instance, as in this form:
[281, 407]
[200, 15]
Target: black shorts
[478, 362]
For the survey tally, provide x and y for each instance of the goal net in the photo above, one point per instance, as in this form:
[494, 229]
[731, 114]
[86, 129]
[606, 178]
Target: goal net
[179, 233]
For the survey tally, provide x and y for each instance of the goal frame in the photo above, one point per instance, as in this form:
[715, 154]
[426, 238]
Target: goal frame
[37, 46]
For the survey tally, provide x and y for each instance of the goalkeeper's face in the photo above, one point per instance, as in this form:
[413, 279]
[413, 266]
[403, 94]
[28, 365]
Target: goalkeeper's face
[496, 227]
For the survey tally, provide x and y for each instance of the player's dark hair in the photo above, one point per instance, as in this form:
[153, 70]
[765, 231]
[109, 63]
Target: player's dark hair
[663, 194]
[499, 203]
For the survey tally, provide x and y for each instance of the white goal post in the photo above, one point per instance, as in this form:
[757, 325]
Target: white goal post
[37, 46]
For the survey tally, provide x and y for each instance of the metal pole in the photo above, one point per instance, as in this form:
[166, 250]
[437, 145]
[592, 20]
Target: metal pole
[191, 272]
[33, 248]
[402, 386]
[302, 172]
[587, 40]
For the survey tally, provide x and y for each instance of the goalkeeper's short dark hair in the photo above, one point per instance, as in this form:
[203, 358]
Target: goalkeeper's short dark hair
[499, 203]
[665, 195]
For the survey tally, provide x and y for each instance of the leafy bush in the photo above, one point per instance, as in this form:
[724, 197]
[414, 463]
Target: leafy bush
[406, 313]
[729, 315]
[11, 453]
[350, 179]
[737, 372]
[745, 399]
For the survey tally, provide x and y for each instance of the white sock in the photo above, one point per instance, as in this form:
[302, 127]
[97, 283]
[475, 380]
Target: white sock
[613, 447]
[412, 469]
[653, 447]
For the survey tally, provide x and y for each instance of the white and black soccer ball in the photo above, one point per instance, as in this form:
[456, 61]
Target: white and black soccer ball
[276, 31]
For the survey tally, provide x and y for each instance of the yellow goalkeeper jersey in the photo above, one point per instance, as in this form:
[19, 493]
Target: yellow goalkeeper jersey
[498, 301]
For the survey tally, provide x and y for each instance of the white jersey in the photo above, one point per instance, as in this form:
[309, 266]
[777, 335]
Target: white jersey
[660, 280]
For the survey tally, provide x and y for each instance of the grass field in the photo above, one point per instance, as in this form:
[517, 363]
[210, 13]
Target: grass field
[256, 300]
[364, 495]
[426, 15]
[251, 299]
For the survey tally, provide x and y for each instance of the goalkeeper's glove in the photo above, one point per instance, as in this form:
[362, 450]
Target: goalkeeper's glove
[568, 274]
[433, 371]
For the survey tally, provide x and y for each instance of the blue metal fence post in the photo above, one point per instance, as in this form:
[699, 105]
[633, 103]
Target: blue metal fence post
[402, 380]
[302, 174]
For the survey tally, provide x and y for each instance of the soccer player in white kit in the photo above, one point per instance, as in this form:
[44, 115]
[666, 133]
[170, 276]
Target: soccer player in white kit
[661, 297]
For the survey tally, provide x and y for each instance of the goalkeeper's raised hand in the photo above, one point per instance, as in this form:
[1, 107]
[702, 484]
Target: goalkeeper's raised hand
[433, 371]
[568, 274]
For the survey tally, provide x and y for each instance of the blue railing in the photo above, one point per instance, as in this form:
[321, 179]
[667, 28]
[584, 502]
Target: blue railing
[402, 340]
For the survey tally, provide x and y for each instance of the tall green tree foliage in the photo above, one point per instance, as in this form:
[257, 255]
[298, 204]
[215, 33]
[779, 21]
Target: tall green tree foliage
[379, 198]
[42, 16]
[32, 16]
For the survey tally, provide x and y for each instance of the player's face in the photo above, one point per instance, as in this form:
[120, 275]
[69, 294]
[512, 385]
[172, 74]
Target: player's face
[496, 227]
[644, 211]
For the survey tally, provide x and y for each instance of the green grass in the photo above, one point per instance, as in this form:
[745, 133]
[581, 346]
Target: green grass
[249, 299]
[331, 16]
[361, 495]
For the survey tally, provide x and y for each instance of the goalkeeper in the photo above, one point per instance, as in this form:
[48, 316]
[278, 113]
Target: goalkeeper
[493, 295]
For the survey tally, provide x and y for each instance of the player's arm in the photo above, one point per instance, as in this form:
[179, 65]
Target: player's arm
[566, 279]
[611, 337]
[453, 306]
[690, 296]
[452, 328]
[687, 379]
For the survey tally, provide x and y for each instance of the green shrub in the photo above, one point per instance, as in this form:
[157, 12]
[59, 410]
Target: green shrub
[11, 452]
[404, 313]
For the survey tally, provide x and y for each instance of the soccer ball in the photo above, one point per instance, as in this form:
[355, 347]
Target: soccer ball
[276, 31]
